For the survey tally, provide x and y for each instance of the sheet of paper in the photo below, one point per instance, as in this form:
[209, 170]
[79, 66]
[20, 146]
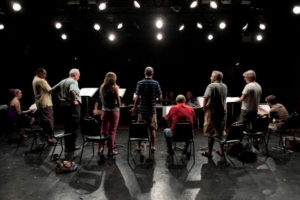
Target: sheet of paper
[166, 110]
[231, 99]
[265, 107]
[33, 108]
[88, 92]
[122, 91]
[200, 101]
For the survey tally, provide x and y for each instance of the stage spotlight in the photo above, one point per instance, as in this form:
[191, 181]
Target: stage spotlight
[1, 26]
[259, 37]
[136, 4]
[64, 36]
[159, 36]
[159, 23]
[97, 27]
[222, 25]
[111, 37]
[16, 7]
[210, 37]
[213, 4]
[58, 25]
[102, 6]
[181, 27]
[199, 25]
[296, 10]
[194, 4]
[120, 25]
[262, 26]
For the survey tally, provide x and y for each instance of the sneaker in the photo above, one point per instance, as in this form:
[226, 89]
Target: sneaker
[170, 151]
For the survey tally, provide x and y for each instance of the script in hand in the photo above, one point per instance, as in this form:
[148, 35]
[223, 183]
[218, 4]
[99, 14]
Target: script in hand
[122, 92]
[166, 110]
[33, 108]
[263, 109]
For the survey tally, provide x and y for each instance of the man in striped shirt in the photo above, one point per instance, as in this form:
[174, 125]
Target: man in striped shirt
[147, 90]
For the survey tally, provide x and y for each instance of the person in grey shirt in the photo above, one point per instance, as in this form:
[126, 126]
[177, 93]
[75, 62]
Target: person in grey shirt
[70, 105]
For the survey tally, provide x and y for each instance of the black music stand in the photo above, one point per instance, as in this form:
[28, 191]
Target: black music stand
[88, 92]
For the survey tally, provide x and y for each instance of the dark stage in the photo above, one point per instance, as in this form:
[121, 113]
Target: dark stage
[30, 176]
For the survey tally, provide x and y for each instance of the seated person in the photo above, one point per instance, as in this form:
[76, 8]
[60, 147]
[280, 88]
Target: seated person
[166, 97]
[176, 113]
[278, 113]
[14, 110]
[172, 98]
[190, 100]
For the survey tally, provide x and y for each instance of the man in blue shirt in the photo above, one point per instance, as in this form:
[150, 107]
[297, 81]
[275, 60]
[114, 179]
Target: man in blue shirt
[147, 90]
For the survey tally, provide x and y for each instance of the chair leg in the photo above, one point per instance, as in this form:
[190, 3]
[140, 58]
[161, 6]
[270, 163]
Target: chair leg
[19, 143]
[81, 152]
[53, 150]
[93, 148]
[42, 147]
[150, 145]
[128, 150]
[193, 151]
[33, 140]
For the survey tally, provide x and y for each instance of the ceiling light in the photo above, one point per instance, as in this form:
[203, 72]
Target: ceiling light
[17, 7]
[199, 25]
[64, 36]
[102, 6]
[1, 26]
[58, 25]
[222, 25]
[111, 37]
[159, 36]
[97, 27]
[181, 27]
[136, 4]
[296, 10]
[213, 4]
[259, 37]
[194, 4]
[210, 37]
[262, 26]
[159, 23]
[120, 25]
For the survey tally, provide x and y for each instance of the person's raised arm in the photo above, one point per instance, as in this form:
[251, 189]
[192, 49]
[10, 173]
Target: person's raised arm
[242, 98]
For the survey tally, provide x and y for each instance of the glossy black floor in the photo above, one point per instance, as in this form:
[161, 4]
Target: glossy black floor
[30, 176]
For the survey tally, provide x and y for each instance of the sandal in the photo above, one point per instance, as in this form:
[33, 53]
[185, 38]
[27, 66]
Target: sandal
[219, 153]
[206, 154]
[113, 153]
[100, 151]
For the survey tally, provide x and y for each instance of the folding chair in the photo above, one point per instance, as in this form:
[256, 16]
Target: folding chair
[234, 136]
[289, 129]
[138, 131]
[91, 133]
[183, 132]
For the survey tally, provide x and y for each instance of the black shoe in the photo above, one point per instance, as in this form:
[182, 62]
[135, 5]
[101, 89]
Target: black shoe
[170, 151]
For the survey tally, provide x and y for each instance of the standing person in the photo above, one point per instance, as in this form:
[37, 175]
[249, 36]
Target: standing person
[70, 105]
[111, 103]
[43, 99]
[176, 113]
[214, 106]
[146, 93]
[250, 99]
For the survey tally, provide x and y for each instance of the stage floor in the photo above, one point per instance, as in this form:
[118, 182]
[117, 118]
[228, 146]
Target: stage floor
[30, 176]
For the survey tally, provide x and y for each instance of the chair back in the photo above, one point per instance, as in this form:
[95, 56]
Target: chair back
[89, 126]
[236, 132]
[183, 131]
[138, 129]
[292, 122]
[261, 123]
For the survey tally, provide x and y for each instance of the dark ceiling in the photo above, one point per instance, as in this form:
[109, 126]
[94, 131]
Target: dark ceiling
[78, 18]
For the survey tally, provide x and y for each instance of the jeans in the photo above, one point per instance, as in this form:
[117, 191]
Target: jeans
[168, 137]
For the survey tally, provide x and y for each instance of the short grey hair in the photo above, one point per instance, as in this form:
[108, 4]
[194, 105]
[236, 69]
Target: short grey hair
[149, 71]
[180, 98]
[73, 72]
[250, 74]
[218, 75]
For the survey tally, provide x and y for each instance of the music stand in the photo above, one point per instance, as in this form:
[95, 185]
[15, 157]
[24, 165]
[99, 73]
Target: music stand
[87, 92]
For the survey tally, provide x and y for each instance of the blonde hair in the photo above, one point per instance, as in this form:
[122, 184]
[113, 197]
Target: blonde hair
[109, 81]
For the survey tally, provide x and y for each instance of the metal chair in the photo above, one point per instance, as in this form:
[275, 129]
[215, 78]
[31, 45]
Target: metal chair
[138, 132]
[91, 133]
[183, 132]
[234, 136]
[289, 129]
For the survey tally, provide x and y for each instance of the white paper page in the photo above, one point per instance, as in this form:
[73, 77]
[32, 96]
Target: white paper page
[33, 107]
[166, 110]
[265, 107]
[122, 91]
[200, 101]
[88, 92]
[231, 99]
